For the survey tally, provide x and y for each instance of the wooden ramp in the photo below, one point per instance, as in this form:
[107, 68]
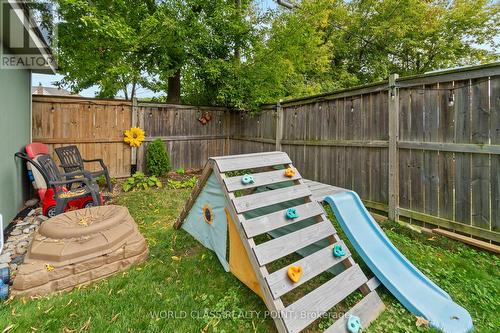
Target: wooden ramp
[242, 199]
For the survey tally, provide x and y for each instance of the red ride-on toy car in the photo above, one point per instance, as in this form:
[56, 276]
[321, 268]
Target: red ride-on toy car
[58, 192]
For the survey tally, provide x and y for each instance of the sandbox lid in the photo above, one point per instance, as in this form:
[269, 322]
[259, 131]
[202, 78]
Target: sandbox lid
[81, 234]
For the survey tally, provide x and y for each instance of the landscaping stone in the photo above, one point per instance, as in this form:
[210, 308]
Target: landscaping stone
[5, 258]
[17, 243]
[31, 202]
[23, 223]
[16, 232]
[22, 247]
[41, 218]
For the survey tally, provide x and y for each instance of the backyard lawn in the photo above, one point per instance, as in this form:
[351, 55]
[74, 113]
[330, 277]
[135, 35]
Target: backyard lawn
[183, 288]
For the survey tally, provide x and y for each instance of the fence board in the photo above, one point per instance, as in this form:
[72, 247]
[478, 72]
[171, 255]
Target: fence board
[446, 163]
[462, 160]
[480, 177]
[495, 159]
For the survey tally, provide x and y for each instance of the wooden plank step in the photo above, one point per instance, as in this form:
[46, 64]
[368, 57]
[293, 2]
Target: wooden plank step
[260, 179]
[284, 245]
[312, 265]
[250, 161]
[306, 310]
[368, 309]
[315, 185]
[262, 224]
[268, 198]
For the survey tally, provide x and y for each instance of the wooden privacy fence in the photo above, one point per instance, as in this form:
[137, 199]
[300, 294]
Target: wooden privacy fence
[189, 142]
[96, 127]
[424, 149]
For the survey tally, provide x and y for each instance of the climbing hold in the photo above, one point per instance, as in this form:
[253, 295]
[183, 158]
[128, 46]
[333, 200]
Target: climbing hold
[338, 251]
[294, 273]
[291, 213]
[4, 291]
[247, 179]
[289, 172]
[354, 324]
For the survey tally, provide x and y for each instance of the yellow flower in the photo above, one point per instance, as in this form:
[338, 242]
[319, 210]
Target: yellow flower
[134, 136]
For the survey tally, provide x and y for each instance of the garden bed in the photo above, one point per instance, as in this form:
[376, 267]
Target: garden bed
[183, 288]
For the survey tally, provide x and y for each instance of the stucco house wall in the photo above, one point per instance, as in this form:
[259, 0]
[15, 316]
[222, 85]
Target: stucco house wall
[15, 132]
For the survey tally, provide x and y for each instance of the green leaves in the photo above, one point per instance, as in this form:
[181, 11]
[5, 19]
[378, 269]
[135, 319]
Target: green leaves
[242, 57]
[139, 181]
[178, 184]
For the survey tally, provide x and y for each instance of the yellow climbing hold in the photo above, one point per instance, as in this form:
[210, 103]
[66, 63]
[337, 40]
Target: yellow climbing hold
[49, 267]
[294, 273]
[289, 172]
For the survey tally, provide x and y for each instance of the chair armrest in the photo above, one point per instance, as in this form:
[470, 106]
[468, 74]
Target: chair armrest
[101, 162]
[69, 181]
[79, 173]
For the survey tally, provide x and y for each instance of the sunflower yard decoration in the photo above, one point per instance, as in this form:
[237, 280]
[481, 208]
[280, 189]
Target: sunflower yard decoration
[134, 136]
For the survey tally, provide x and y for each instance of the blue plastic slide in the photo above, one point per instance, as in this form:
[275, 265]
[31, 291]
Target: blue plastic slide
[413, 289]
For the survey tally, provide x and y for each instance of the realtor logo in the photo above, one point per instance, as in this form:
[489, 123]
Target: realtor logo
[28, 33]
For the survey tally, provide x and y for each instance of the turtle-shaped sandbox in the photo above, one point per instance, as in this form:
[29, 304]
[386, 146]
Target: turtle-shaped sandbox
[79, 247]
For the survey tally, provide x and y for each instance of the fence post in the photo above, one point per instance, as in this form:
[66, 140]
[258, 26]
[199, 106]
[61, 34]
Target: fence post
[133, 150]
[393, 148]
[279, 125]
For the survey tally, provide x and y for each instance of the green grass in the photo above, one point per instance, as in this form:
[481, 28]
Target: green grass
[183, 288]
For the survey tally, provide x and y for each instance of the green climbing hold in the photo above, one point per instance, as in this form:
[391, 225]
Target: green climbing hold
[354, 324]
[291, 213]
[338, 251]
[247, 179]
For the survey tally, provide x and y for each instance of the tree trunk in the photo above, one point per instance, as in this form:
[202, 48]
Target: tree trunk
[174, 88]
[132, 92]
[237, 50]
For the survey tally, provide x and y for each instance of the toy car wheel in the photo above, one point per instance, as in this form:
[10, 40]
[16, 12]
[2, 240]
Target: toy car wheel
[51, 211]
[88, 204]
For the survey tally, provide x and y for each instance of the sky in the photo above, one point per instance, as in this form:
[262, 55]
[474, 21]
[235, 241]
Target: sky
[47, 80]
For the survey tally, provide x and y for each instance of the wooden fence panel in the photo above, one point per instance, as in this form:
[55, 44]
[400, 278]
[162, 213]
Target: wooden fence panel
[188, 141]
[448, 144]
[94, 126]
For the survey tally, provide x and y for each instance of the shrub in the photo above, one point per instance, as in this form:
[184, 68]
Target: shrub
[157, 159]
[180, 171]
[141, 182]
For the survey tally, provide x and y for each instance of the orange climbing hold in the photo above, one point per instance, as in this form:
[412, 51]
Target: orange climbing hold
[289, 172]
[294, 273]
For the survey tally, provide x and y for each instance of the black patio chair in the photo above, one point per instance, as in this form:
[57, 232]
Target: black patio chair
[61, 184]
[71, 160]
